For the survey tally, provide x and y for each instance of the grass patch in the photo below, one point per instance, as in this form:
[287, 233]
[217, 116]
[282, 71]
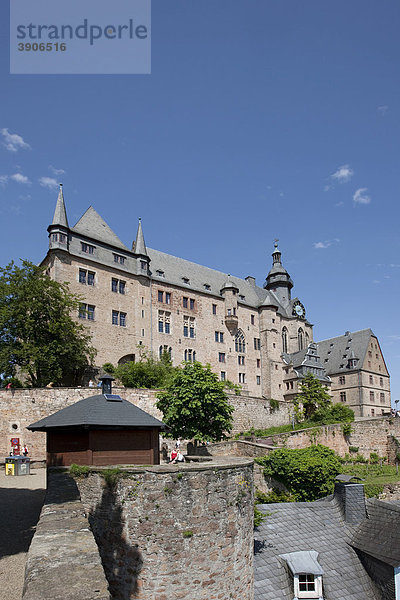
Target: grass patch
[187, 533]
[79, 470]
[376, 476]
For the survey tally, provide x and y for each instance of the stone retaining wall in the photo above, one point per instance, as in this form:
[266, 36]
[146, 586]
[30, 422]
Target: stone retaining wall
[21, 407]
[63, 561]
[175, 532]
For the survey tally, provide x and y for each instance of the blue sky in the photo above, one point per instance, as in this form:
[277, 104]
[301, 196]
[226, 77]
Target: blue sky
[261, 119]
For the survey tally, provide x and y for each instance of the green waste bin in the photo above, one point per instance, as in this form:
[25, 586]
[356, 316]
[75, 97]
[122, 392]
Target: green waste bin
[18, 465]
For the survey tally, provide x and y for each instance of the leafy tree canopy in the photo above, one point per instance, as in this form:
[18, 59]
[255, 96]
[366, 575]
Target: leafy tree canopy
[148, 373]
[195, 405]
[38, 337]
[308, 473]
[313, 395]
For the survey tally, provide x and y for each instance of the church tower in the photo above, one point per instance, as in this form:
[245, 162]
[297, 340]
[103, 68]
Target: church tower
[278, 279]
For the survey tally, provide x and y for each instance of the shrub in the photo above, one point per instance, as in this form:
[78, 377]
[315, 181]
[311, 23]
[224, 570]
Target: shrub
[308, 473]
[259, 517]
[109, 368]
[353, 449]
[273, 497]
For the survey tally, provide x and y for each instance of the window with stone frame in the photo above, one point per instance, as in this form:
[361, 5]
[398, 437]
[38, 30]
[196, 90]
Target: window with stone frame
[86, 311]
[240, 342]
[300, 338]
[165, 349]
[189, 327]
[284, 339]
[342, 379]
[164, 321]
[190, 355]
[342, 396]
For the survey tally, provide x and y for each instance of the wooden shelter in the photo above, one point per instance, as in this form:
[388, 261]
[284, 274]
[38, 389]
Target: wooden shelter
[101, 430]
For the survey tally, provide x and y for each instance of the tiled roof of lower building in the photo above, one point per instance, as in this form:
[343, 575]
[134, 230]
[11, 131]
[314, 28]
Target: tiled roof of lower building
[303, 526]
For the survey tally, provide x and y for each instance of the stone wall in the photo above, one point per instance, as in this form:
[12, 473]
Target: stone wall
[63, 561]
[368, 435]
[19, 408]
[175, 532]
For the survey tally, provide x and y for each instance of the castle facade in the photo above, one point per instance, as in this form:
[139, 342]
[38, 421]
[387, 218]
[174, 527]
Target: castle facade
[140, 296]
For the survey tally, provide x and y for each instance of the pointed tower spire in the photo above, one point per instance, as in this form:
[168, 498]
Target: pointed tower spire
[278, 279]
[140, 246]
[60, 214]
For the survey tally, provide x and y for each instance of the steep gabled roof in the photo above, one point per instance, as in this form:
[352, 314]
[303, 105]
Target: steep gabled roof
[335, 352]
[140, 246]
[93, 226]
[379, 534]
[98, 411]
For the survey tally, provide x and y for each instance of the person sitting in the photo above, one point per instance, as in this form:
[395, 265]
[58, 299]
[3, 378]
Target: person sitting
[180, 457]
[173, 456]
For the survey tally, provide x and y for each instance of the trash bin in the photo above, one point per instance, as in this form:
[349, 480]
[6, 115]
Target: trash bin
[18, 465]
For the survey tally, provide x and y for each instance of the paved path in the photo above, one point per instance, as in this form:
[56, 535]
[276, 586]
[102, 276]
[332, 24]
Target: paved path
[21, 500]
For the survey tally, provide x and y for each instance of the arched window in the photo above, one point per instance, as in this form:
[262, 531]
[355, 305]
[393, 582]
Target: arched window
[190, 355]
[284, 340]
[300, 337]
[240, 343]
[163, 349]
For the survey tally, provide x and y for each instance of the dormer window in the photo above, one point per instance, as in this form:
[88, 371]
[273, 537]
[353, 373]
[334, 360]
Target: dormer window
[207, 286]
[160, 273]
[119, 259]
[307, 574]
[186, 280]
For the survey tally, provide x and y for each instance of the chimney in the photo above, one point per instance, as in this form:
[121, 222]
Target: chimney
[251, 280]
[106, 384]
[351, 499]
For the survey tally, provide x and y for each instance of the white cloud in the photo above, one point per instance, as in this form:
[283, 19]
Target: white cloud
[325, 244]
[56, 171]
[343, 174]
[19, 178]
[3, 180]
[341, 203]
[13, 142]
[376, 281]
[360, 197]
[327, 188]
[49, 182]
[382, 110]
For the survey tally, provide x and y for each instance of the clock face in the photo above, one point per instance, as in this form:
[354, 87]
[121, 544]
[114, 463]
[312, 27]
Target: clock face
[298, 310]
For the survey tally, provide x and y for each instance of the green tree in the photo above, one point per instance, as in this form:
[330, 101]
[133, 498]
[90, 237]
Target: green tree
[148, 372]
[313, 395]
[195, 405]
[308, 473]
[38, 336]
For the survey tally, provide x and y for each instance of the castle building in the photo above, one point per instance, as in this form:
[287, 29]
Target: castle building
[140, 296]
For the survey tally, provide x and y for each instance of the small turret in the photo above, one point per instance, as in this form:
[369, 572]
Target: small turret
[58, 230]
[229, 292]
[278, 279]
[140, 249]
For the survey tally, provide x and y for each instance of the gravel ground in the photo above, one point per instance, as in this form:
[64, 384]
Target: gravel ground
[21, 499]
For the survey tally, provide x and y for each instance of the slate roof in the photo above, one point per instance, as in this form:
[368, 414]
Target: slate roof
[97, 411]
[303, 526]
[175, 270]
[60, 214]
[92, 225]
[379, 534]
[335, 352]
